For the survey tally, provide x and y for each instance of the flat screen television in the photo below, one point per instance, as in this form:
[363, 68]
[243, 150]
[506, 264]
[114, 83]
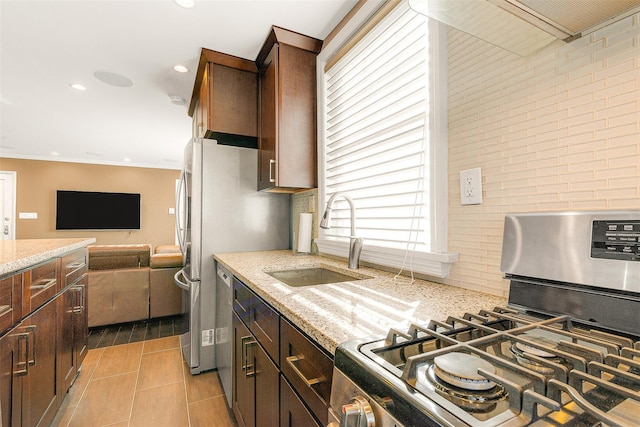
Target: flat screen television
[92, 210]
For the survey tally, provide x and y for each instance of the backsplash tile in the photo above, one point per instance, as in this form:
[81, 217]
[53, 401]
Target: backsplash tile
[559, 130]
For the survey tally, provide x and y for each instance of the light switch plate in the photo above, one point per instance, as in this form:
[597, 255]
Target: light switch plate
[28, 215]
[471, 186]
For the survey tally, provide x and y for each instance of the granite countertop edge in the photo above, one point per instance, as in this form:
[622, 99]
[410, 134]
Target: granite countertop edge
[24, 253]
[335, 313]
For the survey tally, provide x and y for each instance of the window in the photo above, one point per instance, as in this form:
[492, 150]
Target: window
[383, 140]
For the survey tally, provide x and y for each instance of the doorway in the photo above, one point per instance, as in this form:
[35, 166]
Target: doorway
[7, 205]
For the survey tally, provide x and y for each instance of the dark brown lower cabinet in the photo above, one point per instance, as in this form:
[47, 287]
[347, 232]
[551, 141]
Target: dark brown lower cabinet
[73, 332]
[10, 390]
[37, 376]
[267, 389]
[255, 381]
[243, 384]
[40, 358]
[293, 413]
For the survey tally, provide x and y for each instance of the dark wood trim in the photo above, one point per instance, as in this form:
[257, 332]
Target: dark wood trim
[291, 38]
[348, 17]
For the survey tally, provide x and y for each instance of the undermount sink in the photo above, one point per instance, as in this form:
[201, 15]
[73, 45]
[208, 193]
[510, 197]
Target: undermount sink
[311, 276]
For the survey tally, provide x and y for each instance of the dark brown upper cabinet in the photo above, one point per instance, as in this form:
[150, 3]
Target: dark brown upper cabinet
[287, 157]
[224, 103]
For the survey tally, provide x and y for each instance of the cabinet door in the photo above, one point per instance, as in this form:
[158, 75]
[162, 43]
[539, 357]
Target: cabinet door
[234, 108]
[13, 346]
[293, 413]
[267, 389]
[268, 121]
[297, 118]
[39, 399]
[81, 321]
[66, 362]
[243, 381]
[73, 333]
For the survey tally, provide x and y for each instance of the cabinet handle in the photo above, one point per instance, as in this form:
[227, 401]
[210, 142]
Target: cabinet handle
[291, 360]
[78, 308]
[76, 265]
[43, 284]
[245, 355]
[22, 337]
[271, 163]
[32, 329]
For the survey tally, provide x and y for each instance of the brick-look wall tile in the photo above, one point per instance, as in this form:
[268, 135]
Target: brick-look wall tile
[559, 130]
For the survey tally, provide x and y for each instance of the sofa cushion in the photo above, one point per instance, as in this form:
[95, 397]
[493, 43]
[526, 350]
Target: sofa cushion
[165, 260]
[167, 249]
[107, 257]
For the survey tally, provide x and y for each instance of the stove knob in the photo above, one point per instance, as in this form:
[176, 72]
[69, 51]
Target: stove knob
[357, 413]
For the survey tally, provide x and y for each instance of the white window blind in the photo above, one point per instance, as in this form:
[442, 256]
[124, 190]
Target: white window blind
[376, 135]
[383, 126]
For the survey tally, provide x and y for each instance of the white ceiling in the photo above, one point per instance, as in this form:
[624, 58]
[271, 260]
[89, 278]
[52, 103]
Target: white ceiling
[48, 44]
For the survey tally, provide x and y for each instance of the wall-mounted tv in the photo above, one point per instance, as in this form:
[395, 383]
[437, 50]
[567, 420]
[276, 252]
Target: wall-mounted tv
[92, 210]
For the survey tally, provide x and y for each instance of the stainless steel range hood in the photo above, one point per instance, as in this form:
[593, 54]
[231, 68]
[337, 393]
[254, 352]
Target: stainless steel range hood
[525, 26]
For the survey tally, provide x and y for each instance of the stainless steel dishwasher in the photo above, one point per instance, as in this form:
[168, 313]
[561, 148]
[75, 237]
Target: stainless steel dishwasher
[224, 345]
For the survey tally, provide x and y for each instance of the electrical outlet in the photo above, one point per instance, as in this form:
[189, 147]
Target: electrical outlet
[471, 186]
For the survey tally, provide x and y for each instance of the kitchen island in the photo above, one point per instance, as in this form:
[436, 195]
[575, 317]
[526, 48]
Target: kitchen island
[333, 313]
[42, 306]
[19, 254]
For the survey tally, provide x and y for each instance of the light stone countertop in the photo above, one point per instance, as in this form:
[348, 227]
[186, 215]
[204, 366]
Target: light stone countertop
[335, 313]
[23, 253]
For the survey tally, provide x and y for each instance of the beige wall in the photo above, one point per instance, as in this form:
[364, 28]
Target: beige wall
[37, 182]
[557, 131]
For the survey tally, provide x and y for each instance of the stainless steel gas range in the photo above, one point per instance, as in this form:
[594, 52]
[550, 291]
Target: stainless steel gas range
[565, 350]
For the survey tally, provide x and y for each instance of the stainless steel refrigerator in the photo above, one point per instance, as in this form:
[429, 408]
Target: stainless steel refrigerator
[218, 209]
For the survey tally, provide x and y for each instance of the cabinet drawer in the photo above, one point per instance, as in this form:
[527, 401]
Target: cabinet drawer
[292, 410]
[308, 369]
[241, 300]
[10, 301]
[265, 325]
[73, 267]
[40, 285]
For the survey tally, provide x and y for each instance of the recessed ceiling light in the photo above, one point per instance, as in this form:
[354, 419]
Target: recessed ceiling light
[185, 3]
[126, 159]
[113, 79]
[181, 68]
[55, 153]
[177, 100]
[77, 86]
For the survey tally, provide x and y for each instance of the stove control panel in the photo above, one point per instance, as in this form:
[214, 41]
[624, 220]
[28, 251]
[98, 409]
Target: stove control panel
[616, 240]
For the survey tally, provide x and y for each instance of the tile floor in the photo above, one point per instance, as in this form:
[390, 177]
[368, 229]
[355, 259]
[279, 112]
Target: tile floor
[124, 333]
[143, 383]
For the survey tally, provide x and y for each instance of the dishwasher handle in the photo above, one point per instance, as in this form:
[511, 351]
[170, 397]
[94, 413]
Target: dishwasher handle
[182, 285]
[225, 276]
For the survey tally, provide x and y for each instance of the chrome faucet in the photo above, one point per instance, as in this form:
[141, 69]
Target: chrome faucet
[355, 243]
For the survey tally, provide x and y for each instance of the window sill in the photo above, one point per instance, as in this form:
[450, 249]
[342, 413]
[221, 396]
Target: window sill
[429, 263]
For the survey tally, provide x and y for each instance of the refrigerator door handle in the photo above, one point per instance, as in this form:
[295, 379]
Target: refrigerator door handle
[181, 204]
[183, 285]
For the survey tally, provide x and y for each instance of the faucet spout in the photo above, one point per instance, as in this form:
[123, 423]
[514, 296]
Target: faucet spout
[355, 243]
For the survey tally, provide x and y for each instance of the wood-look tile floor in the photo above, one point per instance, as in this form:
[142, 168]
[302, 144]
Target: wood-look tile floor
[143, 384]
